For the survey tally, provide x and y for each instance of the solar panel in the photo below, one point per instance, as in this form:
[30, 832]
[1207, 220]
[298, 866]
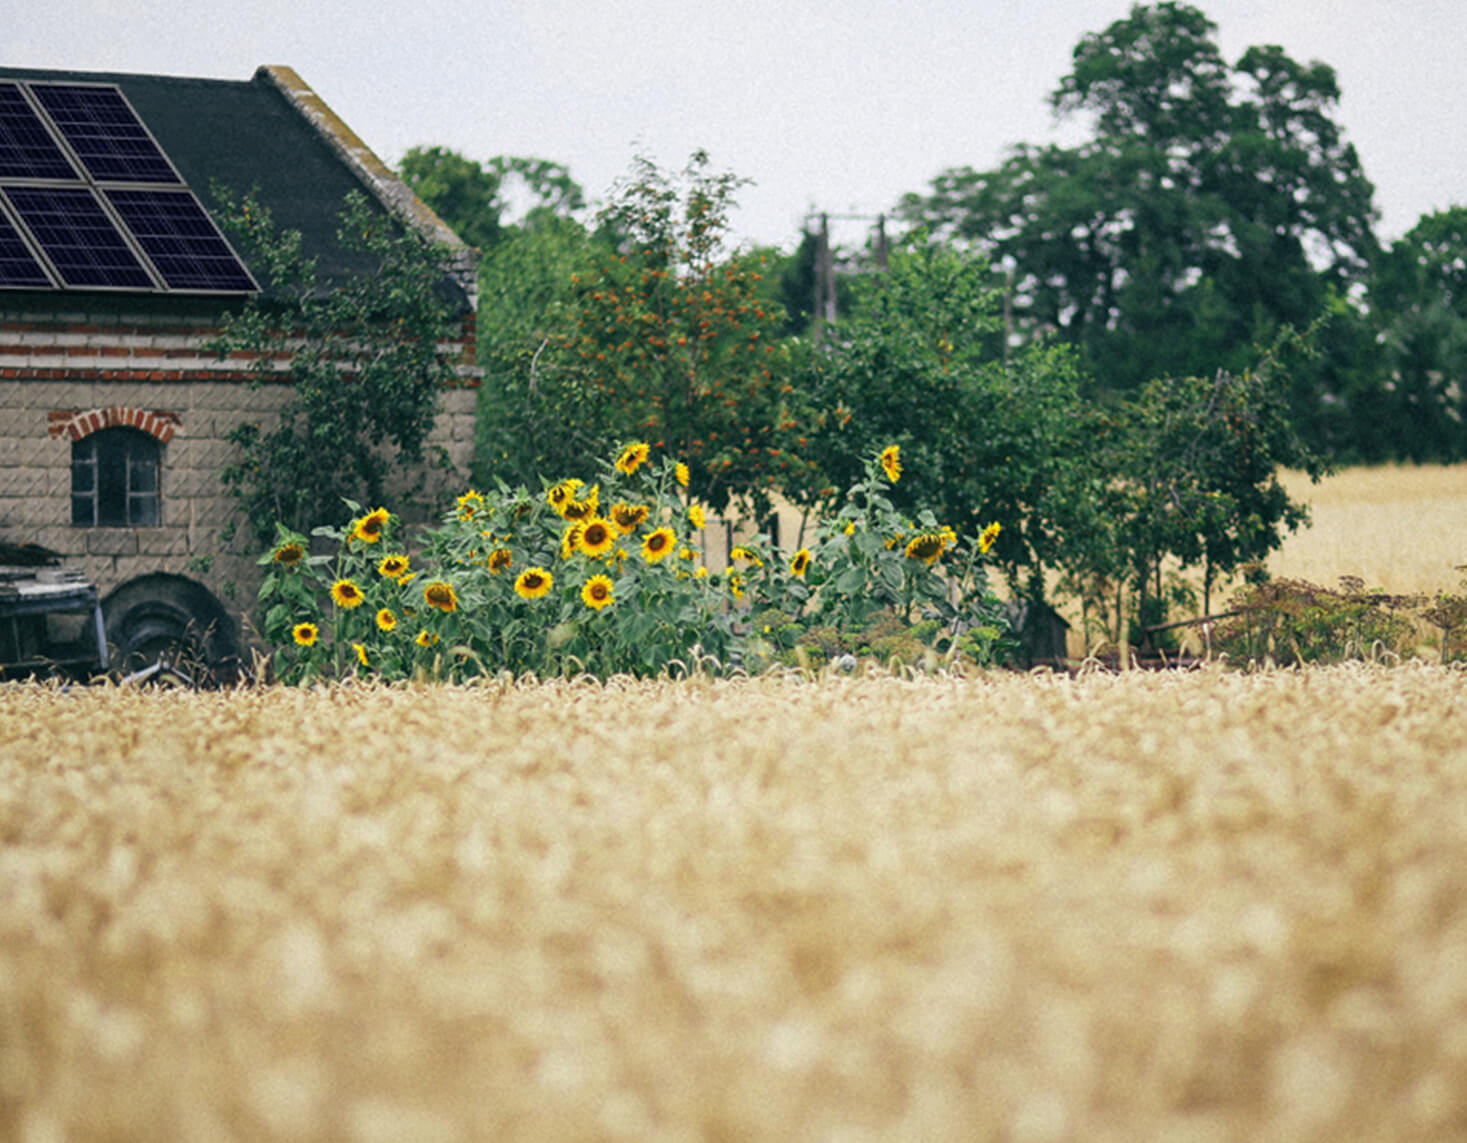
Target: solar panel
[18, 267]
[180, 240]
[27, 150]
[105, 134]
[78, 237]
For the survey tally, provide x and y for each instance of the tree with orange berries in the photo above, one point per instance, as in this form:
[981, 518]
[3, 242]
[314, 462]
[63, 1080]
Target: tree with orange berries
[665, 335]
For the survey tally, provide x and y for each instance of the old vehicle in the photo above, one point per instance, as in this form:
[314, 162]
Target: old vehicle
[50, 617]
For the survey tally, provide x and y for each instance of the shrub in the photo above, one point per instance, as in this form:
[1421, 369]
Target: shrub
[1294, 621]
[605, 577]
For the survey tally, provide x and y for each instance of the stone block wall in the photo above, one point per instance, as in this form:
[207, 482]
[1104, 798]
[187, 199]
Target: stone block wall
[66, 374]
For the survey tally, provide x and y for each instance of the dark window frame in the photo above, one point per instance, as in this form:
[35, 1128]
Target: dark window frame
[116, 479]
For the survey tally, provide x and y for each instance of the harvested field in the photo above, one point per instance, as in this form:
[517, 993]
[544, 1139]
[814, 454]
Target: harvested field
[1192, 907]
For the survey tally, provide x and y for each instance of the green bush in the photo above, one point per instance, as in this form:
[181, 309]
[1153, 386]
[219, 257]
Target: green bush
[1294, 621]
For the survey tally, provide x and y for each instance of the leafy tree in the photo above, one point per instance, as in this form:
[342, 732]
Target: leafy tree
[660, 334]
[1419, 294]
[365, 364]
[921, 364]
[460, 191]
[1211, 206]
[472, 197]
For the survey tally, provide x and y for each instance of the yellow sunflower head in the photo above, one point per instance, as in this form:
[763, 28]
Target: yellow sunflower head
[891, 462]
[533, 583]
[386, 621]
[426, 638]
[696, 517]
[989, 536]
[926, 547]
[597, 592]
[584, 507]
[440, 595]
[346, 594]
[628, 517]
[681, 472]
[570, 540]
[499, 560]
[747, 556]
[562, 494]
[800, 562]
[361, 651]
[470, 504]
[736, 585]
[633, 457]
[288, 555]
[658, 545]
[392, 567]
[597, 536]
[369, 528]
[305, 634]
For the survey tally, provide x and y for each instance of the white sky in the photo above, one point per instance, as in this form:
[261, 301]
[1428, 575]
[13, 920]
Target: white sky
[838, 106]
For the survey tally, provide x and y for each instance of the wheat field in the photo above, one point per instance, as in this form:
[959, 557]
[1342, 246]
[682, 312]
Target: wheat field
[1199, 906]
[1400, 528]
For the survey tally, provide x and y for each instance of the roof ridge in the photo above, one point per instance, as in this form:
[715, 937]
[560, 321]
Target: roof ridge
[377, 176]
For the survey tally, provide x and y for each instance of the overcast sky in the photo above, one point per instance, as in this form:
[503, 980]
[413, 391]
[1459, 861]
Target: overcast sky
[837, 106]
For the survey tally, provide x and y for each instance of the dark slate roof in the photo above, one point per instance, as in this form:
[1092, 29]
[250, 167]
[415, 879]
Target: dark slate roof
[273, 133]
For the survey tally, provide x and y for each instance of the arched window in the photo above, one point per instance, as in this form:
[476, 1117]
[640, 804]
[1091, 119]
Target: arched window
[114, 479]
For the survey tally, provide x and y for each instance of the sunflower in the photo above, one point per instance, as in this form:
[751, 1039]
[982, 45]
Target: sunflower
[597, 592]
[800, 563]
[658, 545]
[628, 517]
[562, 494]
[736, 585]
[633, 457]
[288, 555]
[369, 528]
[681, 472]
[392, 566]
[990, 534]
[746, 555]
[440, 595]
[583, 508]
[571, 540]
[426, 639]
[386, 621]
[361, 651]
[926, 547]
[499, 560]
[597, 536]
[305, 634]
[470, 504]
[891, 462]
[696, 517]
[346, 594]
[533, 583]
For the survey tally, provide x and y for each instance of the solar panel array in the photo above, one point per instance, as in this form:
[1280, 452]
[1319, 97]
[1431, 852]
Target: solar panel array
[89, 201]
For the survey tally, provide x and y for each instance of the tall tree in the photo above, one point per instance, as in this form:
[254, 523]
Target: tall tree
[1211, 206]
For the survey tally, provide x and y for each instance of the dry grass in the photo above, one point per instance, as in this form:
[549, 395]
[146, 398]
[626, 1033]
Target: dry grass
[1399, 528]
[1201, 907]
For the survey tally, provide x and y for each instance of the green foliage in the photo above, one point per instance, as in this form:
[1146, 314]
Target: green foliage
[1211, 206]
[658, 334]
[921, 363]
[1293, 621]
[603, 577]
[1419, 295]
[365, 366]
[474, 198]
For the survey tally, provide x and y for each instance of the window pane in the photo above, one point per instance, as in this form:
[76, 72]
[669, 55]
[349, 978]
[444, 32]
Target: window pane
[144, 511]
[83, 511]
[143, 476]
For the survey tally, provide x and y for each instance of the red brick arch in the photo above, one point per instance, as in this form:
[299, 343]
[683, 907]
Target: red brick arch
[159, 423]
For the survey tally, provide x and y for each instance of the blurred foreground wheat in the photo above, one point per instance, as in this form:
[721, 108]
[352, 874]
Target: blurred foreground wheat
[1193, 907]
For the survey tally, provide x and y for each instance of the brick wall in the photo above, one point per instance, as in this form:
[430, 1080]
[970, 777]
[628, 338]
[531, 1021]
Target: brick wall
[63, 375]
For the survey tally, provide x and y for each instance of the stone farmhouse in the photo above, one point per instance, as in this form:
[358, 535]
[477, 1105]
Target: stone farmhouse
[114, 418]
